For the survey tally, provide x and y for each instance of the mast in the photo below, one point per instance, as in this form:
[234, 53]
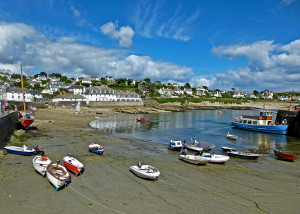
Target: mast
[22, 89]
[291, 99]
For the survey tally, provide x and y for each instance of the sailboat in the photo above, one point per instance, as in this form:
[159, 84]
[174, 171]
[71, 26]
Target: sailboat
[25, 119]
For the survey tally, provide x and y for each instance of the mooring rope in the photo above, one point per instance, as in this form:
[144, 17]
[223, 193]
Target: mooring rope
[95, 201]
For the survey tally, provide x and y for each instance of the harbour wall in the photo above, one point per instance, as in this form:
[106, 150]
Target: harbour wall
[293, 120]
[8, 125]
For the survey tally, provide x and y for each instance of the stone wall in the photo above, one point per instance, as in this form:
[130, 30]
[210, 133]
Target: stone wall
[293, 120]
[113, 104]
[8, 125]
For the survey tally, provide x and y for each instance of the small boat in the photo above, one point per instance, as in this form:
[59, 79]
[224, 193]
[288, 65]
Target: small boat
[40, 164]
[193, 147]
[98, 112]
[285, 156]
[25, 121]
[21, 150]
[194, 159]
[145, 171]
[175, 145]
[231, 136]
[214, 158]
[261, 123]
[96, 148]
[58, 175]
[228, 149]
[246, 155]
[142, 120]
[72, 164]
[204, 145]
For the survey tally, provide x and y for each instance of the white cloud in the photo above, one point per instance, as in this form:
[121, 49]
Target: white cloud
[124, 35]
[76, 12]
[20, 43]
[270, 66]
[154, 20]
[288, 2]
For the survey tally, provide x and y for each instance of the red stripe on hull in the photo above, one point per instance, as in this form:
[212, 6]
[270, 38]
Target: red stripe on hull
[72, 168]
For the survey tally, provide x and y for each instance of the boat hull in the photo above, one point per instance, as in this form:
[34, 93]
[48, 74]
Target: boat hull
[244, 155]
[285, 156]
[97, 151]
[194, 159]
[58, 181]
[212, 158]
[275, 129]
[19, 150]
[25, 123]
[73, 165]
[193, 147]
[40, 164]
[145, 171]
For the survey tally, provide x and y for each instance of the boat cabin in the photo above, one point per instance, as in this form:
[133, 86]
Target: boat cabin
[265, 118]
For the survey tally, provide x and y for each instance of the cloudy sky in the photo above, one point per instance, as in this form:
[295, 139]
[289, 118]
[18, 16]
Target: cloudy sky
[246, 45]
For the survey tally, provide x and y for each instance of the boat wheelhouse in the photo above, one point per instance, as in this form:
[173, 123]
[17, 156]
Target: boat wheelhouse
[262, 123]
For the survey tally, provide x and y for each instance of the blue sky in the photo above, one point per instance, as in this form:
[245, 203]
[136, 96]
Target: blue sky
[246, 45]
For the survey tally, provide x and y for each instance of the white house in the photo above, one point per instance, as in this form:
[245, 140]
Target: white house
[15, 94]
[200, 91]
[68, 98]
[165, 91]
[41, 77]
[76, 89]
[128, 96]
[109, 79]
[188, 91]
[95, 78]
[216, 94]
[239, 94]
[54, 86]
[6, 75]
[86, 81]
[100, 93]
[251, 96]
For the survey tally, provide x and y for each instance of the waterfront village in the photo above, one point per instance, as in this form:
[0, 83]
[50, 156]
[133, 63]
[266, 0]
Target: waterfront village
[56, 88]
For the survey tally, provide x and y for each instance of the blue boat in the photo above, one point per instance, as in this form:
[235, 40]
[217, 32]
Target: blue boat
[21, 150]
[262, 123]
[175, 145]
[96, 148]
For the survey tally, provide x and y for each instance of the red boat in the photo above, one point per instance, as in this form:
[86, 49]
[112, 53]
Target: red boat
[25, 121]
[142, 120]
[73, 164]
[285, 156]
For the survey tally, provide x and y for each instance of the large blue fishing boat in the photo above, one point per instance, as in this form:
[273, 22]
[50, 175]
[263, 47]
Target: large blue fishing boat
[262, 123]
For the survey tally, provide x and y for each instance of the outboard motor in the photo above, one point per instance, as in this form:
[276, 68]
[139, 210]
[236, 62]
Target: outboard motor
[70, 154]
[36, 148]
[57, 161]
[139, 164]
[42, 153]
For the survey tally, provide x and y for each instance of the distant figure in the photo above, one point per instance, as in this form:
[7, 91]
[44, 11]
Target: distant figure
[184, 152]
[183, 141]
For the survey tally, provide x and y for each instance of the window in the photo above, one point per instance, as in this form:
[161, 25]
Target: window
[249, 122]
[244, 121]
[254, 122]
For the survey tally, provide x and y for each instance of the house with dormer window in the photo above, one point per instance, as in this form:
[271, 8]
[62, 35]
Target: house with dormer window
[15, 94]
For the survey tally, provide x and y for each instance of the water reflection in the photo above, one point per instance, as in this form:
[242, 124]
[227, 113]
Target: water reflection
[205, 125]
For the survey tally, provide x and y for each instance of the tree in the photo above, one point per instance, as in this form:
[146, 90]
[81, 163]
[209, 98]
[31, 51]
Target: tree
[147, 80]
[233, 89]
[187, 85]
[205, 87]
[256, 93]
[63, 78]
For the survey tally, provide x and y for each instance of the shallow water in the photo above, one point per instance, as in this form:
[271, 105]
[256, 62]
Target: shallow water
[205, 125]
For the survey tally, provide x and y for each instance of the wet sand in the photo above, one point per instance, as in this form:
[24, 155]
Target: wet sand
[266, 185]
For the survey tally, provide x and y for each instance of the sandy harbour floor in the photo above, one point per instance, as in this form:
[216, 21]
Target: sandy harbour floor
[266, 185]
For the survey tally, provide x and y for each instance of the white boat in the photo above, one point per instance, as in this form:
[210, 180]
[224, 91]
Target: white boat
[193, 147]
[40, 164]
[213, 158]
[228, 149]
[96, 148]
[194, 159]
[246, 155]
[204, 145]
[175, 145]
[231, 136]
[58, 175]
[145, 171]
[73, 164]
